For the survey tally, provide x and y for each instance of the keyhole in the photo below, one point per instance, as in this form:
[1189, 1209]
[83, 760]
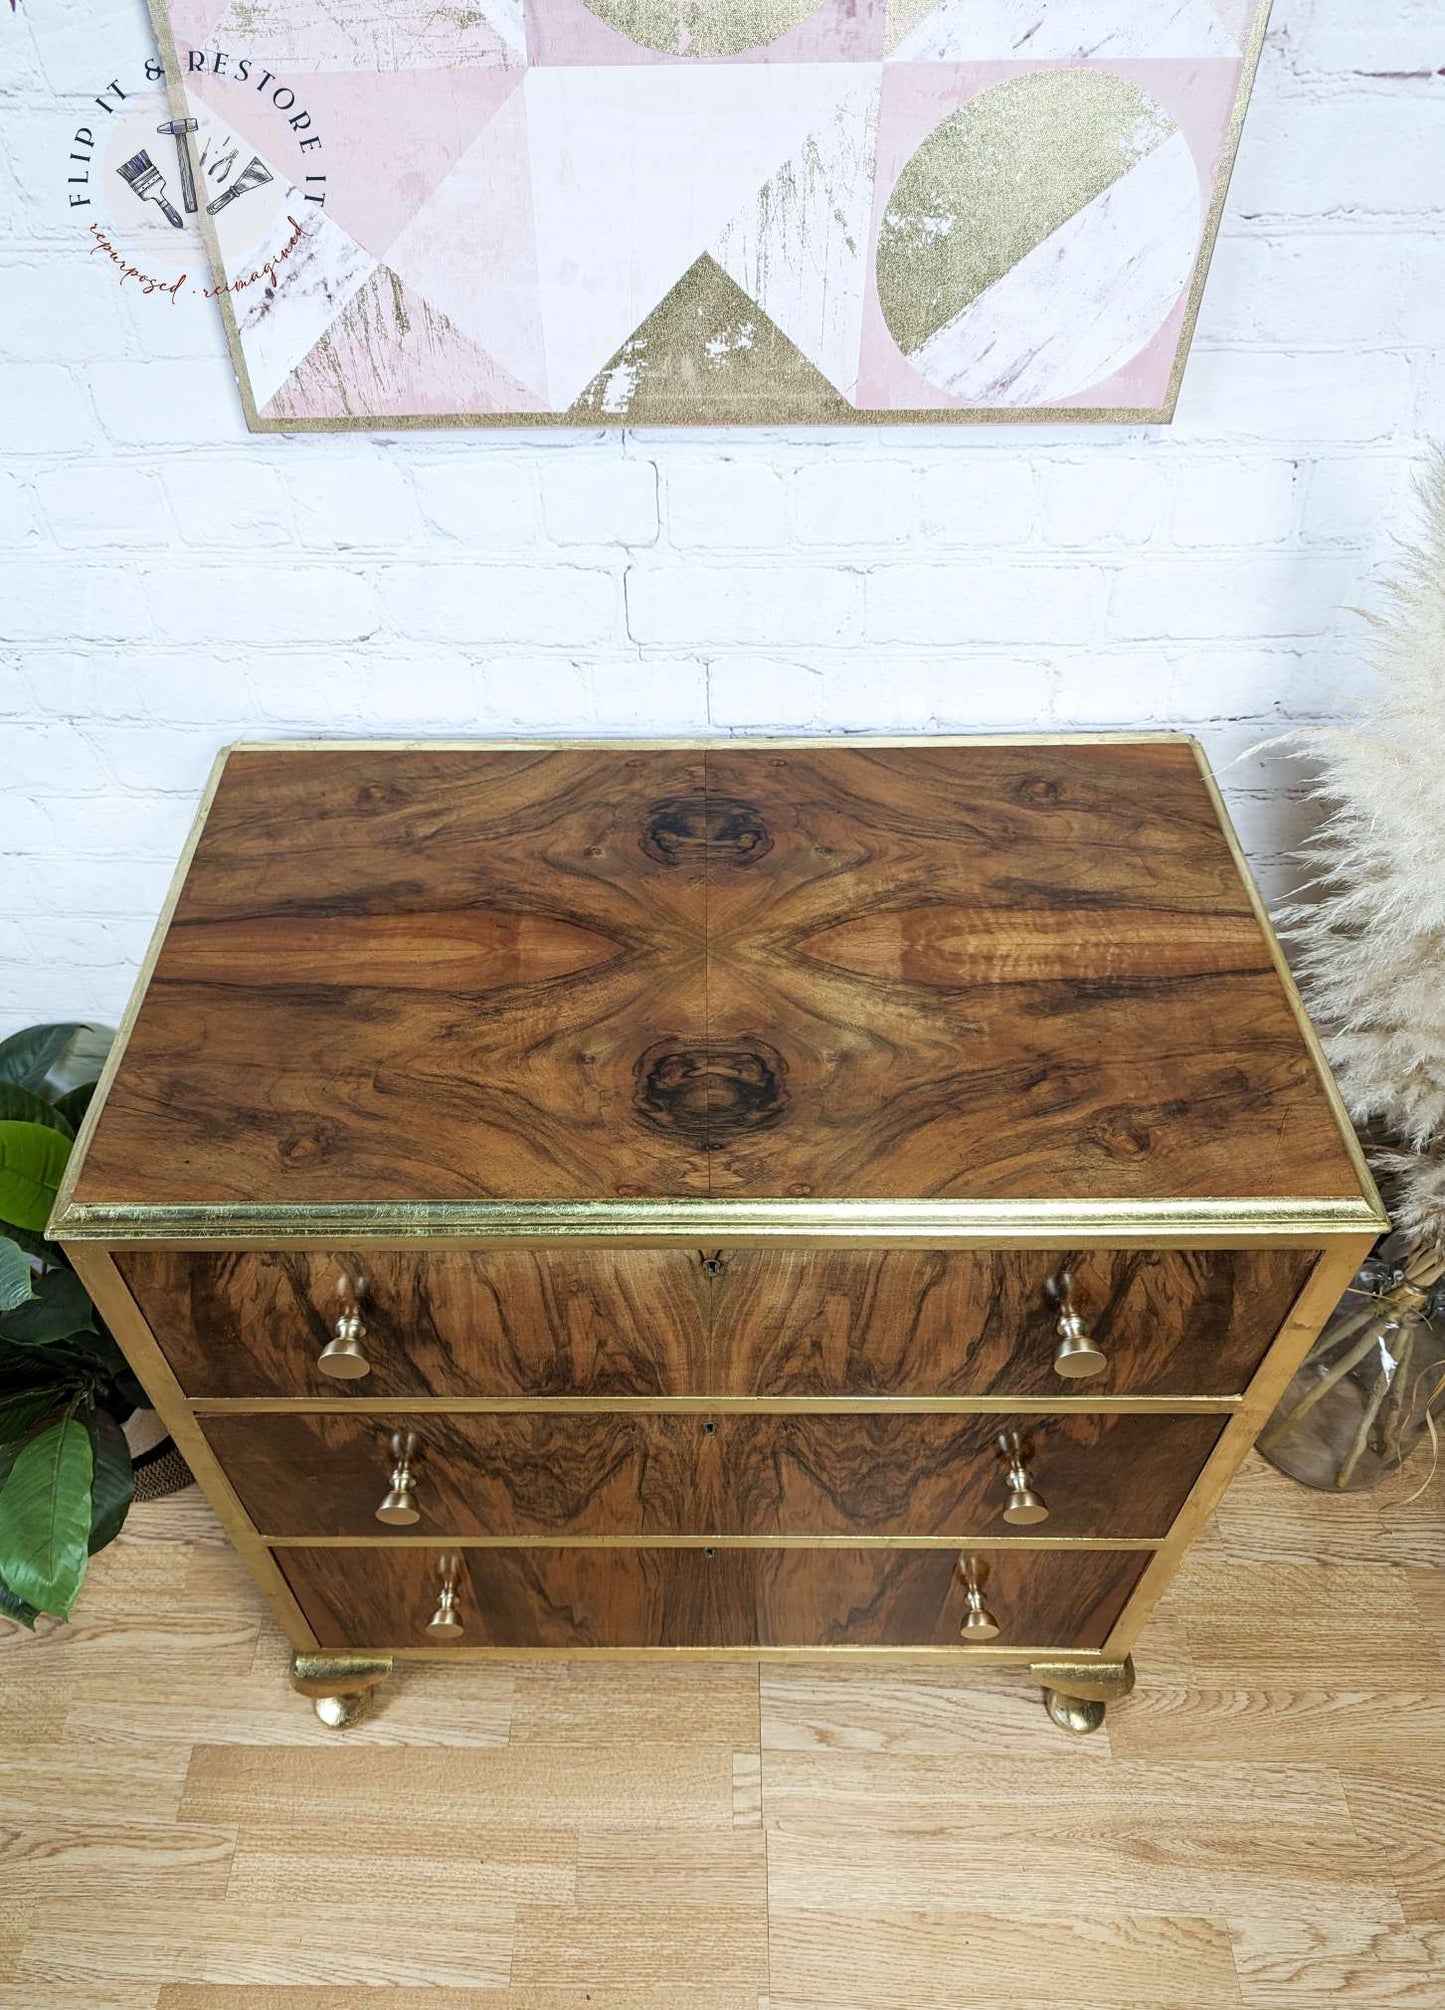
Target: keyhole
[709, 1552]
[710, 1428]
[713, 1265]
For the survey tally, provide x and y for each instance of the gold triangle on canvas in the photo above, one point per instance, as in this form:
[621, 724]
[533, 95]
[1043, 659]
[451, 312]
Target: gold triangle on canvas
[708, 354]
[900, 17]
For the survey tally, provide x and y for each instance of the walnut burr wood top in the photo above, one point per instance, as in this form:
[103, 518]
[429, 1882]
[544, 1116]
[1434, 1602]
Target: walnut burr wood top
[783, 972]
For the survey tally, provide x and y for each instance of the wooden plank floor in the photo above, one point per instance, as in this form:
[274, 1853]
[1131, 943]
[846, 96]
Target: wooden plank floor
[1262, 1824]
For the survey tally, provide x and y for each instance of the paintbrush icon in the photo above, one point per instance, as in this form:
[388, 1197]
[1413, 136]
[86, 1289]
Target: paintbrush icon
[147, 181]
[255, 174]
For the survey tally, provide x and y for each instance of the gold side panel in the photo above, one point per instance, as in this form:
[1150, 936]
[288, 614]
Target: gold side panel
[1318, 1299]
[122, 1315]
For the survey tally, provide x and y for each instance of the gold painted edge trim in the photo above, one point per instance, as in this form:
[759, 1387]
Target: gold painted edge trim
[704, 1406]
[65, 1198]
[1104, 1682]
[930, 1224]
[1081, 1657]
[708, 1405]
[335, 1672]
[442, 1540]
[1311, 1038]
[687, 743]
[1214, 216]
[210, 235]
[1321, 1293]
[1027, 415]
[97, 1272]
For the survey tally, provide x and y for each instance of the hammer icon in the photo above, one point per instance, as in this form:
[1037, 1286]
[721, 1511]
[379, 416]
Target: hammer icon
[181, 127]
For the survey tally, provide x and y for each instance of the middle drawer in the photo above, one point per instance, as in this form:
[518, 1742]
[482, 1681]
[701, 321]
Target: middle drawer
[533, 1473]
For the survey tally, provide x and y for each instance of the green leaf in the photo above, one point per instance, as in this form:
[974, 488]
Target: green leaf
[17, 1279]
[59, 1308]
[113, 1486]
[32, 1163]
[45, 1518]
[27, 1058]
[18, 1413]
[23, 1106]
[80, 1061]
[15, 1608]
[74, 1104]
[34, 1245]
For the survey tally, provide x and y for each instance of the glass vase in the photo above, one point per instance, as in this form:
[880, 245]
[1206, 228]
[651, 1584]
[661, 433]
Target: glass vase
[1367, 1390]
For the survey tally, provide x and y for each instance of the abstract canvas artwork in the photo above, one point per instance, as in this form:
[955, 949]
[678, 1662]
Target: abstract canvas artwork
[590, 212]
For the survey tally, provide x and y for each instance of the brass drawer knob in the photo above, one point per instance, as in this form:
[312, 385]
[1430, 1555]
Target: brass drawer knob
[446, 1622]
[1025, 1505]
[1078, 1354]
[978, 1622]
[398, 1506]
[344, 1357]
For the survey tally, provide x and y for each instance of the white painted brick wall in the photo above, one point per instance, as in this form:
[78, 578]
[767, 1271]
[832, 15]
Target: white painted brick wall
[169, 583]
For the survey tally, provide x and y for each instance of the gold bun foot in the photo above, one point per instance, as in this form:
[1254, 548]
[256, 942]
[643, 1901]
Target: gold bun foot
[339, 1713]
[1070, 1713]
[340, 1685]
[1077, 1693]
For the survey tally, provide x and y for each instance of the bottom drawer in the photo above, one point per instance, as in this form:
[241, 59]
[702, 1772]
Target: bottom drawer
[570, 1598]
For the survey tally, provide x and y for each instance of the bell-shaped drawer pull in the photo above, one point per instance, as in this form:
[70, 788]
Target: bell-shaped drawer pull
[445, 1623]
[978, 1622]
[1025, 1505]
[344, 1357]
[398, 1507]
[1078, 1353]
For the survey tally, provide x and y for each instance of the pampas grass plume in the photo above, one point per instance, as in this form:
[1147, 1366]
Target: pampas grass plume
[1368, 943]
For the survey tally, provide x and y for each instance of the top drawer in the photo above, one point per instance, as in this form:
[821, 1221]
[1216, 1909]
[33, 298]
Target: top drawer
[540, 1322]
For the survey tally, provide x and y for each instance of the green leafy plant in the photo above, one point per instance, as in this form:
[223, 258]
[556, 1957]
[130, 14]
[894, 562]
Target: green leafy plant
[65, 1390]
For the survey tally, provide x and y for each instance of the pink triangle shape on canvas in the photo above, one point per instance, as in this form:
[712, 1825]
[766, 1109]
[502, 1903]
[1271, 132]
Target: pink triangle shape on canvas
[390, 355]
[392, 139]
[389, 140]
[471, 252]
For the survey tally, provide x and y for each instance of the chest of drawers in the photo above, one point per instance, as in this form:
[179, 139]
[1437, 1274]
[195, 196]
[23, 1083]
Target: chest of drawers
[753, 1198]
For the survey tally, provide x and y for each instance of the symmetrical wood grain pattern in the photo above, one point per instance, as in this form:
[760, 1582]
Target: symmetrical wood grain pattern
[850, 972]
[603, 1322]
[639, 1597]
[641, 1475]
